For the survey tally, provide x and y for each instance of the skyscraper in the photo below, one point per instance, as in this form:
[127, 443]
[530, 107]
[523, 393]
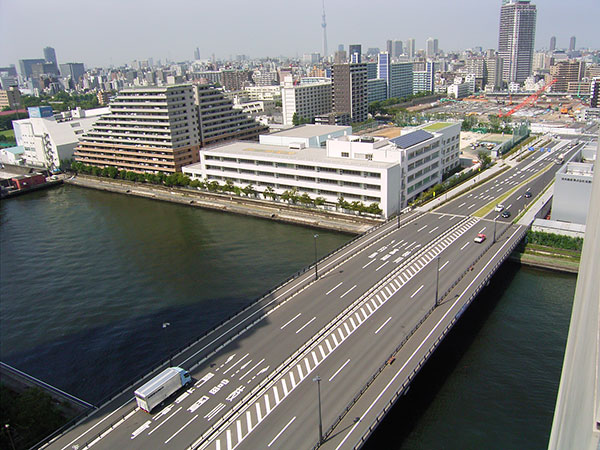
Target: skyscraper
[516, 39]
[410, 48]
[50, 56]
[431, 48]
[572, 44]
[196, 53]
[553, 43]
[324, 25]
[396, 49]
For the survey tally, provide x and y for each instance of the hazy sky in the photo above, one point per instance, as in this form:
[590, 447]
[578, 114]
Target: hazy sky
[104, 32]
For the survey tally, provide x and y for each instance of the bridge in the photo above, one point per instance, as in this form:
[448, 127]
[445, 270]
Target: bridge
[320, 360]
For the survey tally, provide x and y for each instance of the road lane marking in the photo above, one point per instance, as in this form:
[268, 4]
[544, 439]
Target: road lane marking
[306, 324]
[383, 325]
[328, 345]
[253, 367]
[178, 431]
[369, 263]
[482, 230]
[381, 266]
[281, 432]
[322, 351]
[423, 342]
[236, 363]
[422, 228]
[268, 403]
[164, 421]
[347, 292]
[276, 394]
[198, 404]
[444, 265]
[141, 429]
[471, 206]
[339, 370]
[249, 420]
[216, 410]
[462, 204]
[290, 321]
[338, 285]
[239, 430]
[292, 379]
[463, 247]
[433, 229]
[417, 291]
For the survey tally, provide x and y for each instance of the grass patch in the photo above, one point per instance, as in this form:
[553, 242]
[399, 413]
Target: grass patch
[436, 126]
[487, 208]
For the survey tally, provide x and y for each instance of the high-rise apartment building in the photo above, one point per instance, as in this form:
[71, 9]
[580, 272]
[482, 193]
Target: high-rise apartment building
[10, 98]
[572, 44]
[149, 130]
[410, 48]
[566, 72]
[494, 68]
[398, 76]
[424, 80]
[431, 48]
[219, 122]
[595, 92]
[516, 39]
[552, 43]
[350, 96]
[396, 49]
[305, 100]
[235, 80]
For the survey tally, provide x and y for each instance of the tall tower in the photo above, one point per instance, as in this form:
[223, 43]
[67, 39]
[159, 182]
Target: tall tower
[572, 44]
[516, 39]
[324, 25]
[553, 43]
[50, 55]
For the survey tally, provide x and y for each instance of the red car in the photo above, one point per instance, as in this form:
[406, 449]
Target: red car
[480, 238]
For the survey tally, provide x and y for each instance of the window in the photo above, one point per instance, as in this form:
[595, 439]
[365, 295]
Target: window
[345, 155]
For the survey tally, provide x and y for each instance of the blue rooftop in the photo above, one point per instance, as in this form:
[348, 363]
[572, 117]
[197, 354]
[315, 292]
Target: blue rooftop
[18, 150]
[410, 139]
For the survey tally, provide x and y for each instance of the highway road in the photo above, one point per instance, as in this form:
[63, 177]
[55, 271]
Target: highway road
[253, 375]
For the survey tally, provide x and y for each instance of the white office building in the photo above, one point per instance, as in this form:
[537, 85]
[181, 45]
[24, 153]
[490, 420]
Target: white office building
[47, 141]
[306, 100]
[389, 172]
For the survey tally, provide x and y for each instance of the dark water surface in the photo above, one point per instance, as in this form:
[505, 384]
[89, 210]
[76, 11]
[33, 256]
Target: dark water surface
[87, 278]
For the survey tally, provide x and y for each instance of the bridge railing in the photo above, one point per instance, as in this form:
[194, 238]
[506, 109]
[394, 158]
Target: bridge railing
[400, 391]
[164, 363]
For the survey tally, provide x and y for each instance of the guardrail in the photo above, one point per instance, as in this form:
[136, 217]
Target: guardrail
[274, 376]
[164, 363]
[438, 340]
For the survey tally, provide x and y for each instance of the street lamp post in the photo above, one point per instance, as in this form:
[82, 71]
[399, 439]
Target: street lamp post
[7, 428]
[318, 380]
[437, 280]
[165, 325]
[494, 240]
[316, 271]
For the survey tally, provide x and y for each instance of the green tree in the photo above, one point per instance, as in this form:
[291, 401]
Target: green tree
[249, 190]
[484, 159]
[269, 192]
[319, 201]
[305, 199]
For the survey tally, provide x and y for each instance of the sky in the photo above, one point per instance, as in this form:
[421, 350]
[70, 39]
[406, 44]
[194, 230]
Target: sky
[115, 32]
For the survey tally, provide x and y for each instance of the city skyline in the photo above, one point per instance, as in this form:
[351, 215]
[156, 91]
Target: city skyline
[94, 34]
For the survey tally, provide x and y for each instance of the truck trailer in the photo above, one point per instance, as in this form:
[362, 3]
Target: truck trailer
[161, 387]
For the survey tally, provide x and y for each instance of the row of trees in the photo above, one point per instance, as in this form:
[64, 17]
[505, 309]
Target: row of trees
[385, 107]
[494, 124]
[61, 101]
[179, 179]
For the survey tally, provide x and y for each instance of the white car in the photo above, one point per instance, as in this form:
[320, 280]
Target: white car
[499, 207]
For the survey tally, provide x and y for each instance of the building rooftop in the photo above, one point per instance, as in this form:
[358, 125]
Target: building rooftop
[18, 150]
[410, 139]
[308, 131]
[243, 149]
[436, 126]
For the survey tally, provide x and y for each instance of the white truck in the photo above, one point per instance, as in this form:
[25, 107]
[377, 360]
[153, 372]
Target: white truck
[161, 386]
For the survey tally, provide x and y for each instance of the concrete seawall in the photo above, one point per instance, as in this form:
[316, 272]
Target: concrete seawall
[265, 209]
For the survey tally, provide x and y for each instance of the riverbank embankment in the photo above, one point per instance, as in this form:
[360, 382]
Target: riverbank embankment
[265, 209]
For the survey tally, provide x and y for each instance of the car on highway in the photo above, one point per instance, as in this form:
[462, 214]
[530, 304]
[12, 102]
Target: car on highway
[499, 207]
[506, 214]
[527, 194]
[480, 238]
